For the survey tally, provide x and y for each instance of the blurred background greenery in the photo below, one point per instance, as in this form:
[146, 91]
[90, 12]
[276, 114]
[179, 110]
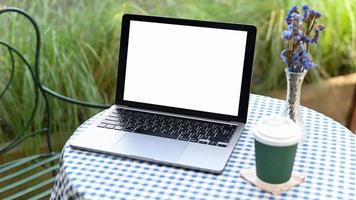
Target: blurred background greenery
[81, 39]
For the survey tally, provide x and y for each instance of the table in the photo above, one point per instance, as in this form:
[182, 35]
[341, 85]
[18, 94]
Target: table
[327, 158]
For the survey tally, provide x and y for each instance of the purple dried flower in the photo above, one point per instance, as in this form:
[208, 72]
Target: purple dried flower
[300, 48]
[316, 36]
[297, 36]
[315, 14]
[289, 15]
[304, 61]
[294, 26]
[300, 35]
[295, 57]
[295, 16]
[306, 13]
[292, 10]
[308, 64]
[306, 39]
[287, 35]
[284, 56]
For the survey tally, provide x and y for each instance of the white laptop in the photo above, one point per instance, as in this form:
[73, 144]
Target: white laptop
[182, 93]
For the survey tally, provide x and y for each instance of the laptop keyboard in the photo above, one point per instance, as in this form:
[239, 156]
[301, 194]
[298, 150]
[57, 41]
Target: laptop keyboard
[169, 127]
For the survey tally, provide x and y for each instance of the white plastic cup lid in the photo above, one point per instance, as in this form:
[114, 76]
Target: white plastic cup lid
[277, 131]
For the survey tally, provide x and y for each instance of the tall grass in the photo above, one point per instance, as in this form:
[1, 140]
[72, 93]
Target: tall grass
[81, 39]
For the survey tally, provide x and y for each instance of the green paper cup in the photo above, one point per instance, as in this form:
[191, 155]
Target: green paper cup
[276, 141]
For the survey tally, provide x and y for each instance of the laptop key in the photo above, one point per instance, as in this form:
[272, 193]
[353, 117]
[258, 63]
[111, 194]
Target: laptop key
[114, 116]
[159, 134]
[110, 126]
[108, 121]
[111, 119]
[203, 137]
[102, 125]
[193, 140]
[183, 137]
[220, 139]
[194, 135]
[128, 128]
[224, 140]
[214, 143]
[118, 127]
[222, 145]
[167, 135]
[203, 141]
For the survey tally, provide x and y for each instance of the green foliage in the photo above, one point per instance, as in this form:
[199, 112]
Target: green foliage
[81, 39]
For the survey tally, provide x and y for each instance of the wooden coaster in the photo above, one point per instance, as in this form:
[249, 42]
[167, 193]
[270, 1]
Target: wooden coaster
[275, 189]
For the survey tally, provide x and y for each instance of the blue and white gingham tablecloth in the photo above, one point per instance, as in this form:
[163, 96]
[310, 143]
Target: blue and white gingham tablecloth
[327, 158]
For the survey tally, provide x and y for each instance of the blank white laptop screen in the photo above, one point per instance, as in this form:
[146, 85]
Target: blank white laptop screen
[187, 67]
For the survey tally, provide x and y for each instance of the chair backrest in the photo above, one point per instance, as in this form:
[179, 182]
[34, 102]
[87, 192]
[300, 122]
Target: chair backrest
[40, 91]
[13, 53]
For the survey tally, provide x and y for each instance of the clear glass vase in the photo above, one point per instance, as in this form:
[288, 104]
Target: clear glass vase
[291, 108]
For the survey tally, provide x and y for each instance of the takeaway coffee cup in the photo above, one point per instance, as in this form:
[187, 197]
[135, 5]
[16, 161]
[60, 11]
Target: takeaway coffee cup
[276, 141]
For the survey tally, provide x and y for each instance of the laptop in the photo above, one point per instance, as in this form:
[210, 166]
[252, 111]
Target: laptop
[182, 93]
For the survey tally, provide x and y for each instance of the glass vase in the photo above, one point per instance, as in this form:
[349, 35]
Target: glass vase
[291, 108]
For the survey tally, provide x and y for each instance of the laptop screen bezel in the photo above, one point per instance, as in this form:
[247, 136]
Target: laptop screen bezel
[246, 75]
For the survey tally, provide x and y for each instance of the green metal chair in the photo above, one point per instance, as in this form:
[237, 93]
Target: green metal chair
[31, 177]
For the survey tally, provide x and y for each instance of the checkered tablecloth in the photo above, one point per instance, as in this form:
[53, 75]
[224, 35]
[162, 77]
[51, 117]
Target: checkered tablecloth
[327, 158]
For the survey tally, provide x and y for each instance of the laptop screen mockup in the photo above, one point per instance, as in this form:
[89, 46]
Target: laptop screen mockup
[187, 67]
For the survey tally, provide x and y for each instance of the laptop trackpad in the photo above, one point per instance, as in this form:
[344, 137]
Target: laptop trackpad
[151, 147]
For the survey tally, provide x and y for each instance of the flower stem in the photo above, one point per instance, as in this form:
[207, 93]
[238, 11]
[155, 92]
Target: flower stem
[309, 29]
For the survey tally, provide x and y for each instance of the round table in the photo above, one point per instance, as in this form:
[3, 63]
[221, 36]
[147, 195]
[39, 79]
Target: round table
[327, 158]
